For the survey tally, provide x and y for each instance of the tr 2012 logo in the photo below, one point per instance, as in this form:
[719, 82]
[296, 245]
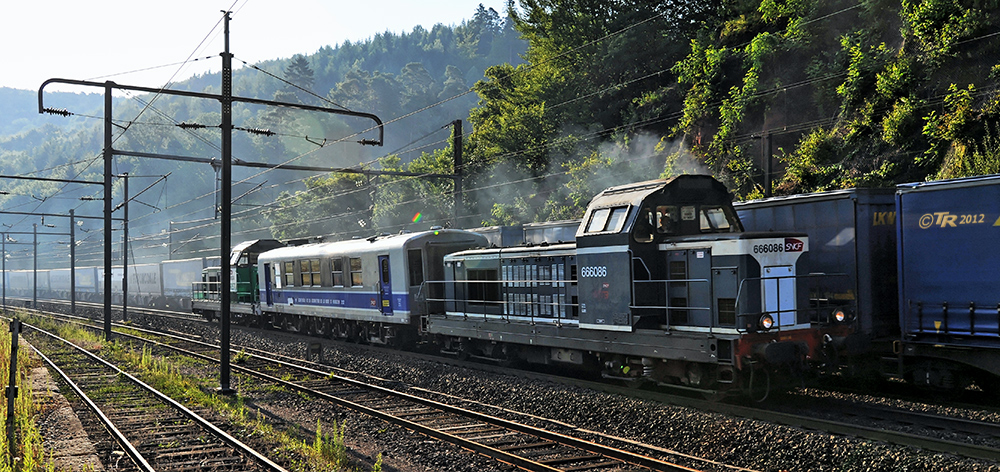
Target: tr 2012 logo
[945, 219]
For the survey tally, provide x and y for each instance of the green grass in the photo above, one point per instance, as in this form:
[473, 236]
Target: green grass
[29, 453]
[326, 452]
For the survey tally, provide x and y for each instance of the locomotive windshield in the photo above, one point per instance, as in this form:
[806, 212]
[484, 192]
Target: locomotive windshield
[657, 221]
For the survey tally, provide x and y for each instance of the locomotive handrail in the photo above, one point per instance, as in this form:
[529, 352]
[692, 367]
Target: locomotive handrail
[777, 326]
[739, 296]
[559, 311]
[204, 291]
[666, 309]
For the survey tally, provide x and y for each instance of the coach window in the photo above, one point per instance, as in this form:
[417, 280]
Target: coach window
[337, 267]
[309, 272]
[356, 280]
[289, 274]
[415, 261]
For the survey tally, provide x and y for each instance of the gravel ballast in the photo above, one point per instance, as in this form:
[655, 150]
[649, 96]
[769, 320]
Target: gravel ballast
[730, 440]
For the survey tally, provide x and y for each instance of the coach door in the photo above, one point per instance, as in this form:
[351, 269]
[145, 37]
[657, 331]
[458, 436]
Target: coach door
[267, 285]
[384, 285]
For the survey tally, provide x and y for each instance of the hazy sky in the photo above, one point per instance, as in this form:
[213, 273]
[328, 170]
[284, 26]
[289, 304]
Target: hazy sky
[102, 39]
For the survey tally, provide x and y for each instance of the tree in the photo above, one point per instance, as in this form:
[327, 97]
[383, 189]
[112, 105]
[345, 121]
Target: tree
[337, 206]
[299, 74]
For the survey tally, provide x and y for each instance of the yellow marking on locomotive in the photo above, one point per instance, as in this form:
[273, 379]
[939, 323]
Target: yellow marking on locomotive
[937, 326]
[998, 222]
[385, 302]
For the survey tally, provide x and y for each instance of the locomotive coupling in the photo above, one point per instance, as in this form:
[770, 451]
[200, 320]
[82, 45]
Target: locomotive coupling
[781, 353]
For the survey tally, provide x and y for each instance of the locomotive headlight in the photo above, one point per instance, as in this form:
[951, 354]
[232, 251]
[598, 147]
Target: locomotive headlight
[841, 315]
[766, 322]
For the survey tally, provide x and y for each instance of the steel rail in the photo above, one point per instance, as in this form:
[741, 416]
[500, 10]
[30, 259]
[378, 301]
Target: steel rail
[591, 447]
[846, 429]
[230, 440]
[120, 438]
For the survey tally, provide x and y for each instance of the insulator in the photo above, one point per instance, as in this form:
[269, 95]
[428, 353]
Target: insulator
[369, 142]
[191, 126]
[57, 111]
[260, 131]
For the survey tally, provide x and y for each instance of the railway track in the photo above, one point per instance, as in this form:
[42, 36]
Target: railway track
[932, 432]
[510, 442]
[154, 431]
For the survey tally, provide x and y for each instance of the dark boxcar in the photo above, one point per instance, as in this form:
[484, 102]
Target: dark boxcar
[949, 281]
[852, 232]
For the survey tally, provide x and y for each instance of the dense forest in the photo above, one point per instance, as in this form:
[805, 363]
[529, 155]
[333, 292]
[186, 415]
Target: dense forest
[560, 99]
[842, 93]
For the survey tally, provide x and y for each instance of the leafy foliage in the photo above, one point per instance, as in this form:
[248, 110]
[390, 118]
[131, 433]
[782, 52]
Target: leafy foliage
[877, 99]
[868, 93]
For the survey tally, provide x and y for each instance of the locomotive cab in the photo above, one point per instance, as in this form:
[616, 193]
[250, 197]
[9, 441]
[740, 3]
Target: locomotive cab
[671, 256]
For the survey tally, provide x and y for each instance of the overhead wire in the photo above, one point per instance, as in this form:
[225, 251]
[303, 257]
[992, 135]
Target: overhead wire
[762, 92]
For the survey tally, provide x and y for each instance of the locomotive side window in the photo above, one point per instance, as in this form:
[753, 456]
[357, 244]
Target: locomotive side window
[714, 220]
[642, 231]
[356, 280]
[607, 219]
[666, 219]
[289, 274]
[415, 262]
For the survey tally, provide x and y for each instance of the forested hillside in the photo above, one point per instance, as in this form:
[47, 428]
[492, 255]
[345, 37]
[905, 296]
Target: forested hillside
[390, 75]
[571, 96]
[848, 93]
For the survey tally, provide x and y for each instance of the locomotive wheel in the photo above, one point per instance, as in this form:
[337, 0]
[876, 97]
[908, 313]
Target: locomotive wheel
[990, 384]
[759, 383]
[506, 355]
[713, 395]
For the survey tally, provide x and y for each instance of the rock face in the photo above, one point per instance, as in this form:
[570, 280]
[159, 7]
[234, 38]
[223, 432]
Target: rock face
[65, 440]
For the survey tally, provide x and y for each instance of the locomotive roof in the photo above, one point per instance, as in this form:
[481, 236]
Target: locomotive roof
[374, 243]
[681, 188]
[517, 251]
[255, 246]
